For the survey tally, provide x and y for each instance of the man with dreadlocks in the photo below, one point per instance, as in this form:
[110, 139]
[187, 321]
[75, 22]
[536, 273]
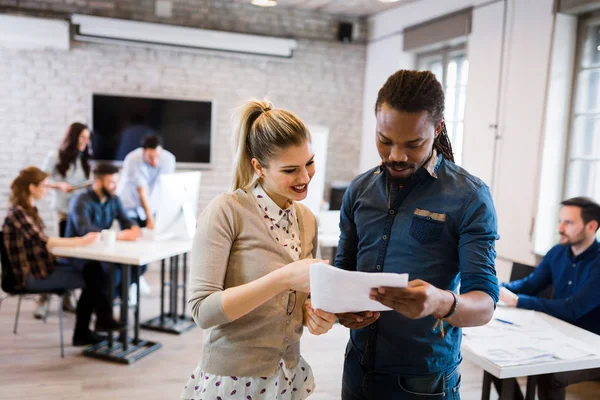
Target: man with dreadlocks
[421, 214]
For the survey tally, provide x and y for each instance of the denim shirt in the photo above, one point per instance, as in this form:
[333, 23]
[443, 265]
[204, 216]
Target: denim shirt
[88, 214]
[576, 281]
[441, 228]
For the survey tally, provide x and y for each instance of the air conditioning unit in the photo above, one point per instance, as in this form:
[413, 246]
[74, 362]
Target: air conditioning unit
[19, 32]
[111, 30]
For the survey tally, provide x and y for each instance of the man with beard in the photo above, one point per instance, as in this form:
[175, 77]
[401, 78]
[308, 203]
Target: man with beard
[97, 208]
[421, 214]
[572, 267]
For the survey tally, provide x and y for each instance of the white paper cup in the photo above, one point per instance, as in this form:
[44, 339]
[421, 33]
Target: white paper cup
[109, 238]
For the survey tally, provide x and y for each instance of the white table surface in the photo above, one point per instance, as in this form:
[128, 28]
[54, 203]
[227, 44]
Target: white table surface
[543, 367]
[141, 252]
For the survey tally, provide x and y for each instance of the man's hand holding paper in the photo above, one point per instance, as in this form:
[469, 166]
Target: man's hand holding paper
[338, 291]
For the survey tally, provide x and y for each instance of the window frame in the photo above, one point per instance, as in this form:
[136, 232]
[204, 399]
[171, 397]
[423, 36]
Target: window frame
[579, 68]
[446, 53]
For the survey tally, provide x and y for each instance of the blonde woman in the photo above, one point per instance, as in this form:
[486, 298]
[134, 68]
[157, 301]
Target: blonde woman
[249, 280]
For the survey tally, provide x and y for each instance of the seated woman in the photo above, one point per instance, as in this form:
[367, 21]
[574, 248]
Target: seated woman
[36, 269]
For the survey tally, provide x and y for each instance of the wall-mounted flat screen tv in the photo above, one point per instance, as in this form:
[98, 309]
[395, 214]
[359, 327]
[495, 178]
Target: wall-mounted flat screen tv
[120, 122]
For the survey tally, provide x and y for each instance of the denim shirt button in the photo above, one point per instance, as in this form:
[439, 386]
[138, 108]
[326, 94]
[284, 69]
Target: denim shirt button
[384, 237]
[379, 268]
[428, 218]
[372, 326]
[392, 212]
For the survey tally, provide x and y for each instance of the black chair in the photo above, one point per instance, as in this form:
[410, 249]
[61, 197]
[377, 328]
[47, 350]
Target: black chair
[8, 286]
[520, 271]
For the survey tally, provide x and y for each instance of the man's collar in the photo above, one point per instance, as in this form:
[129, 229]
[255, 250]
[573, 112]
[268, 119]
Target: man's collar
[95, 196]
[432, 164]
[594, 247]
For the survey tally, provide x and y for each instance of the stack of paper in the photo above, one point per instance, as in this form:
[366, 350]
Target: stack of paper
[508, 341]
[337, 291]
[505, 356]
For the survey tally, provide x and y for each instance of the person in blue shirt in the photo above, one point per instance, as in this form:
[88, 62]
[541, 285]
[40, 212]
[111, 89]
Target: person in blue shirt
[421, 214]
[141, 172]
[572, 268]
[95, 210]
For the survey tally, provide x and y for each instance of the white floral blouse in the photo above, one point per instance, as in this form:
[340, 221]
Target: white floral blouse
[283, 224]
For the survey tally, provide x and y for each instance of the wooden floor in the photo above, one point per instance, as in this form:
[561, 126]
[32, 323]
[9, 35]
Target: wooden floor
[31, 367]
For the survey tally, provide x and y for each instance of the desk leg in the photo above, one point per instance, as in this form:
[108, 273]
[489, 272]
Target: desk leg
[532, 382]
[124, 304]
[175, 284]
[162, 292]
[508, 389]
[172, 322]
[126, 351]
[111, 294]
[136, 315]
[171, 287]
[184, 302]
[486, 386]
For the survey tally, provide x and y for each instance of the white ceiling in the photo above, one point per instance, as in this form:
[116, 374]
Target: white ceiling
[337, 7]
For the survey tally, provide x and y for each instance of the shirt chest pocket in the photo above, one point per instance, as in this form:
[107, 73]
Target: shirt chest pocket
[426, 227]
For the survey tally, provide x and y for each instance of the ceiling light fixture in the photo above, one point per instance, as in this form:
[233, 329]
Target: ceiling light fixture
[264, 3]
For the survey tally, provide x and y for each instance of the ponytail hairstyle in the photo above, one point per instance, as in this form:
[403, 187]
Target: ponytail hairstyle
[262, 131]
[414, 91]
[19, 190]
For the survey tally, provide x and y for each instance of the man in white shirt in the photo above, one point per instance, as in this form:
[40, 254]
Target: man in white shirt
[140, 176]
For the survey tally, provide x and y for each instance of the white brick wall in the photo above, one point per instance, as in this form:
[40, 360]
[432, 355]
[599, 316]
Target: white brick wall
[41, 92]
[223, 15]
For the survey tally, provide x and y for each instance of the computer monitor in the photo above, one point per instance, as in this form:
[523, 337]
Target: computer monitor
[177, 205]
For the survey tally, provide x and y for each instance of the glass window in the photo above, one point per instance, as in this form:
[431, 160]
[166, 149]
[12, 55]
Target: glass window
[451, 68]
[583, 176]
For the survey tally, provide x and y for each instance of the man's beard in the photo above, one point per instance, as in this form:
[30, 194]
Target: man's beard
[402, 165]
[106, 193]
[572, 241]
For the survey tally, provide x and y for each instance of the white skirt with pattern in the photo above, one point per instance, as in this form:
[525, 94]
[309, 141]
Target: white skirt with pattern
[289, 384]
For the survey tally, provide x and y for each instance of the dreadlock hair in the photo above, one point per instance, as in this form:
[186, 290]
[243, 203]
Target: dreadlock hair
[414, 91]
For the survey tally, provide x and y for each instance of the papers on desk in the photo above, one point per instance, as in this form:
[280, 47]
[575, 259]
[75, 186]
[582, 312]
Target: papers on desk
[508, 341]
[336, 291]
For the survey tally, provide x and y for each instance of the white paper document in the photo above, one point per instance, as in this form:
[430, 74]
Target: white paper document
[337, 291]
[520, 338]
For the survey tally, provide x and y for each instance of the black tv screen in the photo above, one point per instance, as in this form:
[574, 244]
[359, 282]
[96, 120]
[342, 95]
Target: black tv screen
[120, 123]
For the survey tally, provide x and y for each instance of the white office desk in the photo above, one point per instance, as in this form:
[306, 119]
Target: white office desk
[532, 370]
[127, 254]
[141, 252]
